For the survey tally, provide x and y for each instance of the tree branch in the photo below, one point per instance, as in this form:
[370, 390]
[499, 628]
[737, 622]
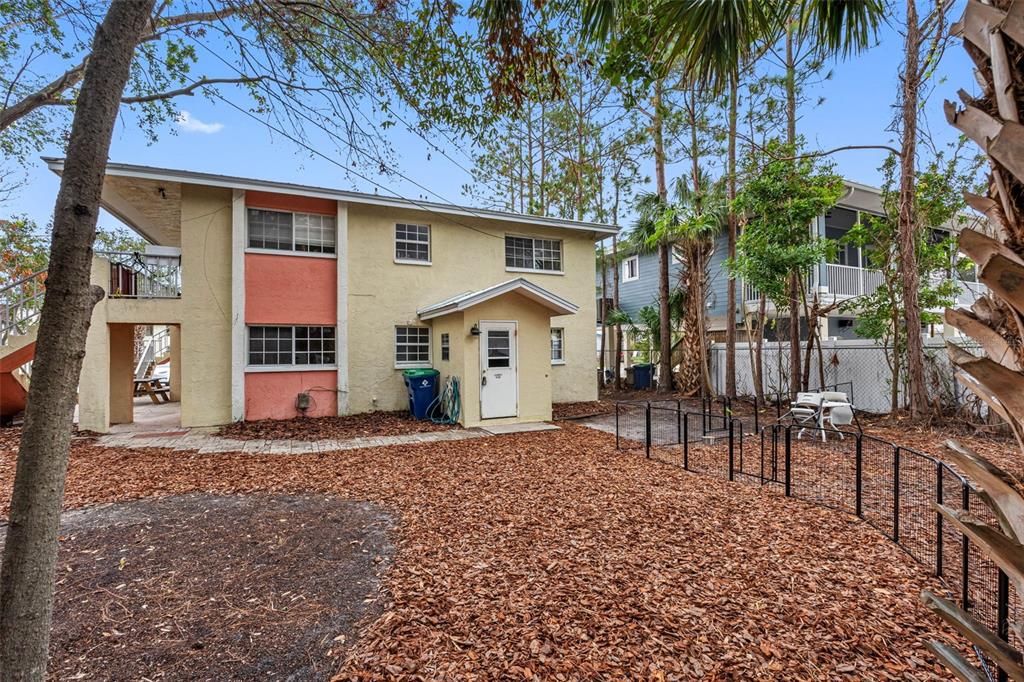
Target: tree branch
[50, 93]
[849, 147]
[189, 89]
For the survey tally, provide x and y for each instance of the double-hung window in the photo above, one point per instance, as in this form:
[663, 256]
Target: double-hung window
[306, 346]
[412, 243]
[530, 253]
[412, 346]
[631, 269]
[446, 349]
[557, 346]
[286, 231]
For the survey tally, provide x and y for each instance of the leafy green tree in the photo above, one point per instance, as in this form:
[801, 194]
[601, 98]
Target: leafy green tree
[301, 67]
[781, 195]
[938, 204]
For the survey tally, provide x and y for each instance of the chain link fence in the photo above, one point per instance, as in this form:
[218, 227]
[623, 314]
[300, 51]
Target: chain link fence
[865, 364]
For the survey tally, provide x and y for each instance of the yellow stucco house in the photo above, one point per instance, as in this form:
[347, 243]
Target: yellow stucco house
[284, 299]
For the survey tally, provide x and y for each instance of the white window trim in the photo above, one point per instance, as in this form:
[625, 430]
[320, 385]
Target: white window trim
[555, 363]
[561, 250]
[254, 369]
[282, 252]
[293, 251]
[411, 261]
[445, 343]
[425, 364]
[625, 269]
[291, 368]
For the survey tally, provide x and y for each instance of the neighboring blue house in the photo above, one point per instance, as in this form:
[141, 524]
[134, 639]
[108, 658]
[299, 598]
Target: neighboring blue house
[843, 278]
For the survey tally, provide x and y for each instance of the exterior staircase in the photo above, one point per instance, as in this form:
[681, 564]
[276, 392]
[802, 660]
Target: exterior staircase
[20, 305]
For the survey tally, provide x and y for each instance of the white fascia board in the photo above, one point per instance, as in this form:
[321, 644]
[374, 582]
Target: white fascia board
[521, 286]
[600, 230]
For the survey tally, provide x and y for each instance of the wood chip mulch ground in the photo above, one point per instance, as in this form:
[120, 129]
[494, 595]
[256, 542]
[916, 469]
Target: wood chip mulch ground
[578, 410]
[370, 424]
[552, 556]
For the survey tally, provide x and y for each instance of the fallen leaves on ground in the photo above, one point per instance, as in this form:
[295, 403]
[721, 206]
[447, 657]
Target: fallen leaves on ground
[237, 587]
[369, 424]
[553, 556]
[581, 409]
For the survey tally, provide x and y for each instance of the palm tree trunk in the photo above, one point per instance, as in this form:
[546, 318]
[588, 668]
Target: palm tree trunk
[794, 277]
[916, 394]
[730, 292]
[30, 552]
[604, 317]
[664, 252]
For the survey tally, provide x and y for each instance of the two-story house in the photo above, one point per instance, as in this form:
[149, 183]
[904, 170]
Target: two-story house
[274, 291]
[844, 277]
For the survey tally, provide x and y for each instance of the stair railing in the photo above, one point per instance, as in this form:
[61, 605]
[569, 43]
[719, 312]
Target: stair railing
[20, 304]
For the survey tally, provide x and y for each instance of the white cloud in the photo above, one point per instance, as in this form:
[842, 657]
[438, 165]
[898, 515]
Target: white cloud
[191, 124]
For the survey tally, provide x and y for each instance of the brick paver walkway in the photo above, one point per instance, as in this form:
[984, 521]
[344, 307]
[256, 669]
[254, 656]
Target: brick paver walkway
[206, 441]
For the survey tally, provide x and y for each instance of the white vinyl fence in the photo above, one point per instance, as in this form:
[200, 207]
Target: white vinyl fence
[862, 362]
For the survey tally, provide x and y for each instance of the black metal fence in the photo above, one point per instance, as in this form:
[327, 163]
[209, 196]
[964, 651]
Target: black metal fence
[891, 487]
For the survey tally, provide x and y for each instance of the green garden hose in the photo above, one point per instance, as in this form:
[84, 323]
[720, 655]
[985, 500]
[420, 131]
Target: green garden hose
[448, 403]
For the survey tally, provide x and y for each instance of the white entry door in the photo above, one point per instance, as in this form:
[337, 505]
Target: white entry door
[499, 384]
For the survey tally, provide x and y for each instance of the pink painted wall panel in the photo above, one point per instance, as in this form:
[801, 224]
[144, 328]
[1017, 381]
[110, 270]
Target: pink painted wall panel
[290, 289]
[271, 395]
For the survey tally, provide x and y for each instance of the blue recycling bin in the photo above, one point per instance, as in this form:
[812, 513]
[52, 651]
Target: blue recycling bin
[642, 375]
[422, 386]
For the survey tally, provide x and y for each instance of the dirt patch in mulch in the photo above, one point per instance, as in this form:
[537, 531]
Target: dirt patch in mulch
[216, 587]
[553, 556]
[578, 410]
[369, 424]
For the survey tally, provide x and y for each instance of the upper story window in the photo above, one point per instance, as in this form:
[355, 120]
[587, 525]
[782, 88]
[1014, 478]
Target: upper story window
[412, 243]
[286, 231]
[631, 269]
[529, 253]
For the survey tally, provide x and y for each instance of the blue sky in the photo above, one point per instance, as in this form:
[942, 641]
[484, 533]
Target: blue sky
[217, 138]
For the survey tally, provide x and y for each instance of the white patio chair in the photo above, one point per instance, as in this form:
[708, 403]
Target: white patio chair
[840, 415]
[805, 412]
[835, 396]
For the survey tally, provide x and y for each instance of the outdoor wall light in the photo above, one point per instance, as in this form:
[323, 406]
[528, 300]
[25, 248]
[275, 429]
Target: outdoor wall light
[475, 330]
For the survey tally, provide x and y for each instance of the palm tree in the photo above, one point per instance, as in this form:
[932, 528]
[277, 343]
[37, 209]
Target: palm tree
[644, 238]
[714, 42]
[993, 35]
[690, 224]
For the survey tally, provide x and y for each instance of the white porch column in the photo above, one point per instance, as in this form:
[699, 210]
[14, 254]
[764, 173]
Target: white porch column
[238, 350]
[341, 344]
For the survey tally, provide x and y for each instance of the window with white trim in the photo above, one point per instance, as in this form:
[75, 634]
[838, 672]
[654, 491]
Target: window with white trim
[299, 345]
[412, 346]
[412, 243]
[446, 349]
[631, 269]
[529, 253]
[557, 346]
[286, 231]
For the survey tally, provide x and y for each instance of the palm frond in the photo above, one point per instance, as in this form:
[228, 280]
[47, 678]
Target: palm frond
[840, 27]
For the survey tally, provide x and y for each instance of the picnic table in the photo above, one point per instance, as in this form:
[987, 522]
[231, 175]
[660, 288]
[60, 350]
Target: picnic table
[155, 388]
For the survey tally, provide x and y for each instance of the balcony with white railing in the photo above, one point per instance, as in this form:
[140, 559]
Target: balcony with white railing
[848, 281]
[143, 275]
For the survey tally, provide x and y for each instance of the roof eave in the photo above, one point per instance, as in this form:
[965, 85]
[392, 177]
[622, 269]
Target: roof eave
[599, 230]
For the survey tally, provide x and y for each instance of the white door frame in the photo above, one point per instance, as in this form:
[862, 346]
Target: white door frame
[514, 347]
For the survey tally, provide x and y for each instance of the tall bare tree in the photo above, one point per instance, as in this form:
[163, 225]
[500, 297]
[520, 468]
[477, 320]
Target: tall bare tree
[923, 41]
